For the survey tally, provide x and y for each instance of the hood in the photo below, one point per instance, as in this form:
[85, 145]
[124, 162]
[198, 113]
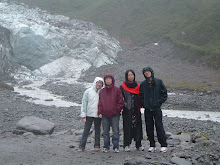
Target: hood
[110, 75]
[96, 80]
[150, 69]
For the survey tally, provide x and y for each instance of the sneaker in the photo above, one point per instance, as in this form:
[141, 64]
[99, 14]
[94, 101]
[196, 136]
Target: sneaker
[152, 149]
[105, 150]
[116, 150]
[127, 148]
[96, 149]
[140, 149]
[163, 149]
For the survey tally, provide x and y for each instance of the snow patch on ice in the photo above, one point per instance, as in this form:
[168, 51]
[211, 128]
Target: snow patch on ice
[63, 67]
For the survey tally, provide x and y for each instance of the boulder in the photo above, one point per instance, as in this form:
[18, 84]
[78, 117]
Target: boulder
[6, 86]
[183, 137]
[199, 137]
[36, 125]
[169, 134]
[180, 161]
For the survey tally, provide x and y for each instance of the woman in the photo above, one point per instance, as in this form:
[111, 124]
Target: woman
[89, 113]
[132, 123]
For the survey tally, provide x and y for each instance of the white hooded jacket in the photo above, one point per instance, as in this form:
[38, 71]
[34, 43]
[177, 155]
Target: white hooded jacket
[90, 100]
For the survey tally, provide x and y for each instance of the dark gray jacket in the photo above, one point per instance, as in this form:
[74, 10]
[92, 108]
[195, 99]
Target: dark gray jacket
[152, 95]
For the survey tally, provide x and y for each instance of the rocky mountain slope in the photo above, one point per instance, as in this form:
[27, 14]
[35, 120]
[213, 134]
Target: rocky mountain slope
[165, 59]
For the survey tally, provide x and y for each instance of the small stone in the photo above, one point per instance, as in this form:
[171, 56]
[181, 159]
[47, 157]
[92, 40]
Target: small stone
[79, 132]
[72, 146]
[48, 100]
[28, 134]
[18, 132]
[147, 157]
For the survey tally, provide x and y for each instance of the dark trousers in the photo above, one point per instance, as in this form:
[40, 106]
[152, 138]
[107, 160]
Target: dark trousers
[155, 118]
[132, 130]
[87, 127]
[137, 144]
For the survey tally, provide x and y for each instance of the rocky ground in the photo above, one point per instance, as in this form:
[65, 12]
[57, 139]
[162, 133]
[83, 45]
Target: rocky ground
[187, 139]
[54, 149]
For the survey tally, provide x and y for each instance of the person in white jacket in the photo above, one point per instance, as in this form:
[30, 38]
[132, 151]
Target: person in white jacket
[89, 113]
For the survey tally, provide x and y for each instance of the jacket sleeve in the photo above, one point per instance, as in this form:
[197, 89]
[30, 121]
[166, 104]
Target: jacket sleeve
[84, 104]
[141, 93]
[100, 105]
[120, 103]
[121, 88]
[163, 92]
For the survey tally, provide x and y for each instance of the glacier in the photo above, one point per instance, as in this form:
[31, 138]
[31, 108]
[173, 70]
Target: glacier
[55, 45]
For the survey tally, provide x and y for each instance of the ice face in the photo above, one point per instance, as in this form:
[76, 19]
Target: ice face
[40, 40]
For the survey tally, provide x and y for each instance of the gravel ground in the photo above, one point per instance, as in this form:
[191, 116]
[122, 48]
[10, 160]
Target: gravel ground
[54, 149]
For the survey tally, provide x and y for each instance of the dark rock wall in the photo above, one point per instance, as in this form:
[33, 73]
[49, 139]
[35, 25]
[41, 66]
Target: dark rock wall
[5, 52]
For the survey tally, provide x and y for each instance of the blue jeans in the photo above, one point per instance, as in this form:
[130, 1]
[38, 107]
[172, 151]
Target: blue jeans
[113, 122]
[155, 118]
[88, 125]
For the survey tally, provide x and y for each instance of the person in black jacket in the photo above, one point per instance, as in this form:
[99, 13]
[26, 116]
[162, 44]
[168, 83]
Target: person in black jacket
[153, 93]
[132, 123]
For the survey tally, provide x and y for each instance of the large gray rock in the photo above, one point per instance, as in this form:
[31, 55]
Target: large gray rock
[199, 137]
[36, 125]
[180, 161]
[183, 137]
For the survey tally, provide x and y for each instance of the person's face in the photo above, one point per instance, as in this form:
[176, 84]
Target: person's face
[130, 77]
[108, 81]
[147, 73]
[99, 85]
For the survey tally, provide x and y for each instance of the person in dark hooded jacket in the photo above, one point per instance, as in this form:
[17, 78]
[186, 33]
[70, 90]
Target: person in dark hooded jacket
[132, 123]
[153, 93]
[109, 108]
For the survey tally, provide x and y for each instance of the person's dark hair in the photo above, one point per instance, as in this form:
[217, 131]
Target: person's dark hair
[126, 74]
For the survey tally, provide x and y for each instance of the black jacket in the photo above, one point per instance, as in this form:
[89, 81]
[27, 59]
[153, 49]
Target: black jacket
[132, 123]
[152, 95]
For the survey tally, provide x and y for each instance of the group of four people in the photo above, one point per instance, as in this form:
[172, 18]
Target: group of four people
[103, 102]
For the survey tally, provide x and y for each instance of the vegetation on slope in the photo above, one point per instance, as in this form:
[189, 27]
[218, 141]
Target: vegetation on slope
[201, 35]
[137, 20]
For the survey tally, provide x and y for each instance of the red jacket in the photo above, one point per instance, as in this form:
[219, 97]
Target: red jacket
[110, 99]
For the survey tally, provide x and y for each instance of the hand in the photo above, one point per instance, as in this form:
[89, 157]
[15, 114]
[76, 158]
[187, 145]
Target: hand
[84, 119]
[100, 115]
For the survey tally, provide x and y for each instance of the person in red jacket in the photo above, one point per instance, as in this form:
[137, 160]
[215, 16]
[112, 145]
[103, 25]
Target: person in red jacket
[109, 108]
